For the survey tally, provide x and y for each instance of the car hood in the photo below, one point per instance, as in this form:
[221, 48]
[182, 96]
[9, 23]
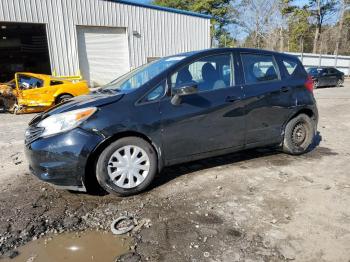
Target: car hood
[78, 102]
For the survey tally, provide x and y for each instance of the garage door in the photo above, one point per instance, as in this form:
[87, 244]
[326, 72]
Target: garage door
[23, 48]
[103, 53]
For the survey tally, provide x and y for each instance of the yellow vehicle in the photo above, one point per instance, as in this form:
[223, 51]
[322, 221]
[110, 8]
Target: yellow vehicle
[29, 92]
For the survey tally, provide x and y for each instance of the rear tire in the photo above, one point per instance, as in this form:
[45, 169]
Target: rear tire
[63, 98]
[339, 83]
[299, 135]
[127, 166]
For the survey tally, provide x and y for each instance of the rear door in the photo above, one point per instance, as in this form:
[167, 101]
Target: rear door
[268, 97]
[323, 78]
[332, 76]
[209, 120]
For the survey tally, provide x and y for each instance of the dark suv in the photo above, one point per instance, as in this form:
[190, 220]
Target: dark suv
[177, 109]
[326, 76]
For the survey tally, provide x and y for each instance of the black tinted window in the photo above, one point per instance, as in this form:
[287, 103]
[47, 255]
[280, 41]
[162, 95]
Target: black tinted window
[259, 68]
[332, 71]
[55, 83]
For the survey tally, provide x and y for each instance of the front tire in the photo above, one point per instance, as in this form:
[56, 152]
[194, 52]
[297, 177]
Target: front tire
[299, 135]
[127, 166]
[63, 98]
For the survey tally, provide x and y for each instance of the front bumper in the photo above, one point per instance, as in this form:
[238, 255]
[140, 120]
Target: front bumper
[61, 159]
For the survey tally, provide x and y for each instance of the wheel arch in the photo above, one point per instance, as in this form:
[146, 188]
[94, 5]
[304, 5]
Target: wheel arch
[89, 178]
[58, 95]
[307, 111]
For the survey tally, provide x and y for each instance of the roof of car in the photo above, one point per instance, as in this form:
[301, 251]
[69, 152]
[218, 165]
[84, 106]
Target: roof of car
[321, 67]
[240, 49]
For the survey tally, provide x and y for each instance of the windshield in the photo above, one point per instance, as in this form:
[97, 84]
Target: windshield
[139, 76]
[314, 71]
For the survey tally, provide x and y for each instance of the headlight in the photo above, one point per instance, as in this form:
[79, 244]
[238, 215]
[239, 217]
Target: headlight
[65, 121]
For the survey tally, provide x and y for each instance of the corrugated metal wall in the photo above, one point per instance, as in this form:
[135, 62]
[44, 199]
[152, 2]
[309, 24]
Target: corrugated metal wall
[161, 33]
[341, 62]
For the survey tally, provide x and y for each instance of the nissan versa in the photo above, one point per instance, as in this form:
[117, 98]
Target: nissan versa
[177, 109]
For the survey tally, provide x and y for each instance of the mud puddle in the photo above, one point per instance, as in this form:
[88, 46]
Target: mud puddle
[83, 246]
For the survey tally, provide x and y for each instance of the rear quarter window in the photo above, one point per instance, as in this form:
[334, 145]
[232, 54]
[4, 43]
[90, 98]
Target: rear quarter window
[294, 68]
[55, 83]
[290, 66]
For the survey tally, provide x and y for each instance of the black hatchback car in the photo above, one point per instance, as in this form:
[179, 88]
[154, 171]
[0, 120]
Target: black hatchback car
[326, 76]
[177, 109]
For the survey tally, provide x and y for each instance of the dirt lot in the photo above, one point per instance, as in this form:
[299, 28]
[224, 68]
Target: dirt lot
[254, 206]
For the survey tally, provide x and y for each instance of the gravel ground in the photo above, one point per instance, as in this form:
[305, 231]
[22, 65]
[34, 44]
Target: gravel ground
[257, 205]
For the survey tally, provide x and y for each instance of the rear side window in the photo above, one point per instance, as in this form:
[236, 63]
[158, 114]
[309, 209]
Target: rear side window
[55, 83]
[332, 71]
[259, 68]
[290, 66]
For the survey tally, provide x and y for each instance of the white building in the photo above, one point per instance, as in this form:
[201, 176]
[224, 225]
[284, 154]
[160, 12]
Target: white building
[101, 39]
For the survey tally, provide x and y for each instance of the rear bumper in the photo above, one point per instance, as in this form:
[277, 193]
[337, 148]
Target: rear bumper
[61, 159]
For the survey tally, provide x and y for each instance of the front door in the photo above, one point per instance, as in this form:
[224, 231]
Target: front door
[208, 120]
[34, 91]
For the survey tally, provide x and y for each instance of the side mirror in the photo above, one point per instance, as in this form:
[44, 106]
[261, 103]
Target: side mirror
[178, 92]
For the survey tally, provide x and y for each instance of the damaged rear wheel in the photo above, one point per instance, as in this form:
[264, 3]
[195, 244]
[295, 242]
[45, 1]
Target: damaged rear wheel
[299, 135]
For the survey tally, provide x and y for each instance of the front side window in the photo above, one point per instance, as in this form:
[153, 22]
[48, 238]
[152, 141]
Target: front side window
[29, 82]
[259, 68]
[208, 73]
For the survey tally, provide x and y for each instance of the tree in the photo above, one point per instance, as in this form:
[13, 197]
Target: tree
[259, 19]
[344, 5]
[298, 27]
[320, 10]
[221, 11]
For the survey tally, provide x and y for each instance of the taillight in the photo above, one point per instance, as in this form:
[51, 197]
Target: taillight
[309, 84]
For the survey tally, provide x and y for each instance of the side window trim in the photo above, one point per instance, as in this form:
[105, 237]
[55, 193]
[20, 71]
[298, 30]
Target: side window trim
[279, 76]
[228, 53]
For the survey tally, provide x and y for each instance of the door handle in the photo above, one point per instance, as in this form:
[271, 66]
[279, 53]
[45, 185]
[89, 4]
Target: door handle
[285, 89]
[232, 99]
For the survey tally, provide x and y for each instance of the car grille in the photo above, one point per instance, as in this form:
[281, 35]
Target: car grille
[33, 133]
